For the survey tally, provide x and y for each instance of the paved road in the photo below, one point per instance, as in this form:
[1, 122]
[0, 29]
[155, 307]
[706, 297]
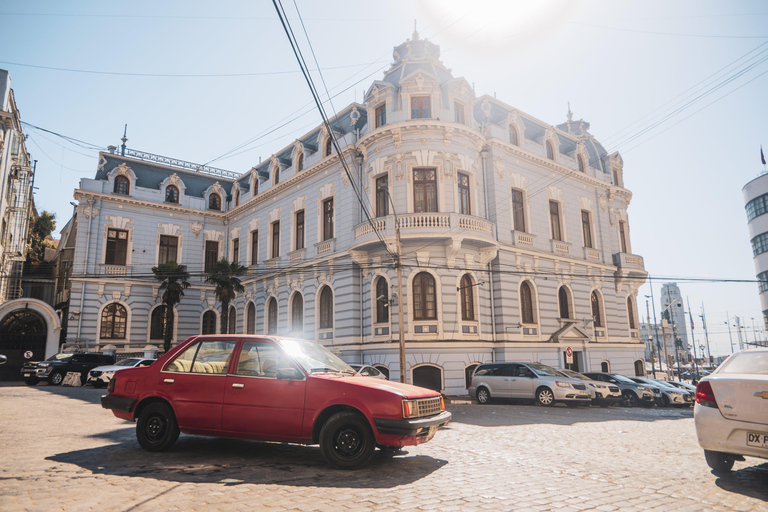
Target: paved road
[61, 451]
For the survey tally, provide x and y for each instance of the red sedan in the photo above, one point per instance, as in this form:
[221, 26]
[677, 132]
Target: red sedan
[272, 389]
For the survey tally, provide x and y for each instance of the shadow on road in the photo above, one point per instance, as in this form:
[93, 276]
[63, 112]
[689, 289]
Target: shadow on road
[84, 393]
[751, 481]
[503, 414]
[232, 461]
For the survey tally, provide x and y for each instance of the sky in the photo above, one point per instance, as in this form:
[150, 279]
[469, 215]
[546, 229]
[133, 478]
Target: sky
[678, 88]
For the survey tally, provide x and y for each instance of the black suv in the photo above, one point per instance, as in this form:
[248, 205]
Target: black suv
[632, 393]
[56, 367]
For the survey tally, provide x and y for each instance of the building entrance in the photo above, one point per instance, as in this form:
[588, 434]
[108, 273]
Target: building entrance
[23, 334]
[576, 364]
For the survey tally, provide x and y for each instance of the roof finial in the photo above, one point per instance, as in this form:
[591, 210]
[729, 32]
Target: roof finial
[570, 114]
[415, 32]
[124, 139]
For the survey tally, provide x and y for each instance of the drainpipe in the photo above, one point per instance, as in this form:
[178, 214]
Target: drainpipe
[359, 161]
[484, 156]
[90, 203]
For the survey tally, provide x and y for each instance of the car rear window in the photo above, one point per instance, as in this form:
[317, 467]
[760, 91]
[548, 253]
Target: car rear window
[752, 363]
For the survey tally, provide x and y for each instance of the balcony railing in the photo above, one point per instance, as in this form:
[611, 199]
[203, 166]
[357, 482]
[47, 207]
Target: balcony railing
[426, 222]
[560, 247]
[522, 239]
[626, 260]
[115, 270]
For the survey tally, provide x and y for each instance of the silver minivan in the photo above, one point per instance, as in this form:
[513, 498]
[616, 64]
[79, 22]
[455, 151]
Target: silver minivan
[533, 381]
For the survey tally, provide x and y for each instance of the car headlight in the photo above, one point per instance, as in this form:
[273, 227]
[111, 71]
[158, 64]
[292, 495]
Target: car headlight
[643, 388]
[563, 384]
[43, 365]
[108, 374]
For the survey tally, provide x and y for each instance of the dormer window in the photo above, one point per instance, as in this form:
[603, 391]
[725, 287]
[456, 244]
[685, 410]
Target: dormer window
[328, 146]
[237, 197]
[513, 139]
[300, 162]
[458, 110]
[420, 107]
[255, 186]
[381, 115]
[214, 202]
[122, 186]
[550, 150]
[582, 166]
[276, 175]
[171, 194]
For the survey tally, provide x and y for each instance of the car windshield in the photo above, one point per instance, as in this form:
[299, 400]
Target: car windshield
[128, 362]
[752, 363]
[623, 379]
[543, 370]
[314, 358]
[60, 357]
[574, 375]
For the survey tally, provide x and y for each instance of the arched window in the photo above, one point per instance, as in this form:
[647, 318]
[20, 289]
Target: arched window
[297, 312]
[424, 297]
[214, 202]
[595, 299]
[157, 323]
[428, 376]
[326, 308]
[272, 316]
[639, 368]
[209, 322]
[582, 167]
[299, 162]
[255, 186]
[562, 300]
[526, 303]
[171, 194]
[467, 298]
[328, 146]
[550, 150]
[250, 319]
[513, 139]
[237, 197]
[232, 320]
[276, 175]
[631, 313]
[114, 319]
[382, 301]
[605, 366]
[122, 186]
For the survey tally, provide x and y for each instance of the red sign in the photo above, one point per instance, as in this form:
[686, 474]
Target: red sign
[568, 352]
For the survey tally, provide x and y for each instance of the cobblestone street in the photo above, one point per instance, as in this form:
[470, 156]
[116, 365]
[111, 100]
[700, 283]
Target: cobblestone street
[62, 451]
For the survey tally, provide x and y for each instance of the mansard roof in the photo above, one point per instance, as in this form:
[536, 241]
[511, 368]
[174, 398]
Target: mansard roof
[416, 55]
[151, 175]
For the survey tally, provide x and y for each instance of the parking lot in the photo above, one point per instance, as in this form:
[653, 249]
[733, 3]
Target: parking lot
[62, 451]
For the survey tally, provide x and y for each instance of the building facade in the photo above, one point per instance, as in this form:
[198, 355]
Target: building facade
[512, 233]
[756, 204]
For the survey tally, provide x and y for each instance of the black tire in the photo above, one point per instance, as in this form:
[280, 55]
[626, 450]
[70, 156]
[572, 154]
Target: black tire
[157, 428]
[55, 379]
[718, 461]
[545, 397]
[98, 384]
[32, 381]
[665, 400]
[629, 399]
[346, 441]
[483, 396]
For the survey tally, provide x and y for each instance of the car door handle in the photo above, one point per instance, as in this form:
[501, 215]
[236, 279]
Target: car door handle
[238, 385]
[169, 381]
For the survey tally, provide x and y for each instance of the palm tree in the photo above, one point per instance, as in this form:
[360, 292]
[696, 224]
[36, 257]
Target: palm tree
[225, 276]
[174, 279]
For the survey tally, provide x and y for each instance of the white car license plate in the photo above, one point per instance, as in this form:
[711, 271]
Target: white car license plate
[757, 439]
[26, 375]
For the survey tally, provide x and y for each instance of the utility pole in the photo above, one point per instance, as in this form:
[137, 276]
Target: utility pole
[706, 333]
[664, 337]
[650, 337]
[738, 333]
[728, 323]
[693, 339]
[655, 324]
[400, 298]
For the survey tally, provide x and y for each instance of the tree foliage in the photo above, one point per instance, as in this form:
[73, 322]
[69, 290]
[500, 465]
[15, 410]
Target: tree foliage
[174, 279]
[39, 231]
[226, 277]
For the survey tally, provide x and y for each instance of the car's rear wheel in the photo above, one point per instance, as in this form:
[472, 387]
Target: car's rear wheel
[32, 381]
[157, 428]
[665, 400]
[628, 399]
[719, 461]
[545, 397]
[55, 379]
[483, 396]
[346, 441]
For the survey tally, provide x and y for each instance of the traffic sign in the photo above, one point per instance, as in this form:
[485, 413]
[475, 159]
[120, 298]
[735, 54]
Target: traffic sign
[569, 355]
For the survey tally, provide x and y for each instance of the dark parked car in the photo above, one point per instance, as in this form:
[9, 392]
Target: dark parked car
[56, 367]
[632, 393]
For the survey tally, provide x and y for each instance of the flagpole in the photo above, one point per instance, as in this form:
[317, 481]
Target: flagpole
[762, 157]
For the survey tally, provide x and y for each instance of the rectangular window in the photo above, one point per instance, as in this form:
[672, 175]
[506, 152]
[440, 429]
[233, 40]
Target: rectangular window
[169, 246]
[327, 219]
[276, 239]
[382, 196]
[623, 235]
[117, 247]
[299, 230]
[211, 254]
[518, 210]
[420, 107]
[586, 228]
[554, 220]
[254, 247]
[458, 110]
[236, 250]
[381, 115]
[464, 205]
[424, 190]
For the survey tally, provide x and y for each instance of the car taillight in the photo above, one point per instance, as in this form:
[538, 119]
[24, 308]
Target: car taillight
[705, 396]
[470, 380]
[111, 385]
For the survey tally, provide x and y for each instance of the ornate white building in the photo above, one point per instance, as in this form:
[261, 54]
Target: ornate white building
[513, 233]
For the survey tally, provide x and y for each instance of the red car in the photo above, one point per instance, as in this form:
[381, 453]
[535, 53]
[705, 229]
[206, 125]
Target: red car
[272, 389]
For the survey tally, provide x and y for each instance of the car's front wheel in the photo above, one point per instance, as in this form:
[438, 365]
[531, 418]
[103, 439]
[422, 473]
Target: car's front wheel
[545, 397]
[719, 461]
[483, 396]
[628, 399]
[157, 428]
[32, 381]
[346, 441]
[56, 378]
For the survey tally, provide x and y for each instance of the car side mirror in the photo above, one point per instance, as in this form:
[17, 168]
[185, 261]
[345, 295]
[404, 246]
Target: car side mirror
[289, 374]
